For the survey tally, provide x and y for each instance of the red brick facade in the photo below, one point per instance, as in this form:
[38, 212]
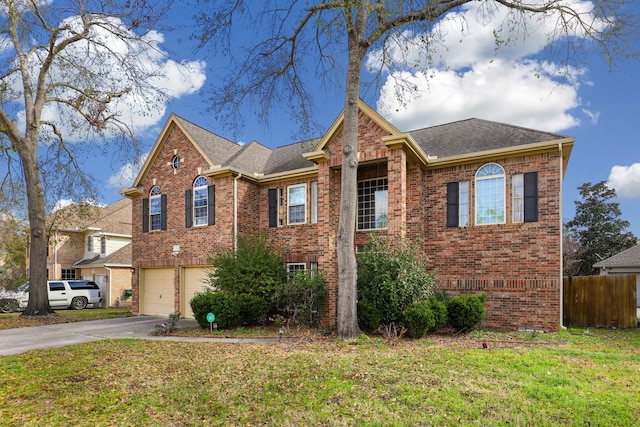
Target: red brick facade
[517, 264]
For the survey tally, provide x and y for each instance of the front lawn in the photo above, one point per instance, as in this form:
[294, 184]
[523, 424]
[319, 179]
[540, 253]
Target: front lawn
[16, 320]
[575, 377]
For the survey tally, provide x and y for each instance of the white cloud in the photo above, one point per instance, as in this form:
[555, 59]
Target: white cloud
[625, 180]
[116, 64]
[127, 173]
[464, 74]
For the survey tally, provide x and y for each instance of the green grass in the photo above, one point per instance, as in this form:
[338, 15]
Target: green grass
[574, 377]
[16, 320]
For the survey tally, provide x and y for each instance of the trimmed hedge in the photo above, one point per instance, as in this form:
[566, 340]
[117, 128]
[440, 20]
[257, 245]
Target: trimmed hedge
[419, 319]
[231, 311]
[466, 311]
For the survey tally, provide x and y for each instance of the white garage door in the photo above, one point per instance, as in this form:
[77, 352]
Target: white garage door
[193, 282]
[157, 292]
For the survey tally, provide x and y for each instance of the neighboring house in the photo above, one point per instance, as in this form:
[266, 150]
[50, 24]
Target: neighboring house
[481, 199]
[93, 243]
[625, 262]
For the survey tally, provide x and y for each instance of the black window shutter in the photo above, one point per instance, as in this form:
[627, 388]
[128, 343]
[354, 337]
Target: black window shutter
[273, 207]
[211, 207]
[452, 204]
[163, 212]
[145, 215]
[531, 197]
[188, 208]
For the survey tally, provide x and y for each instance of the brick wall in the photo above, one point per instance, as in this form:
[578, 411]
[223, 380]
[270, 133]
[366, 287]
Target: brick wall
[518, 265]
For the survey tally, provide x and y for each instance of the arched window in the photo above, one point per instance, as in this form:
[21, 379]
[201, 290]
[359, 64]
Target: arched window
[490, 194]
[200, 201]
[155, 208]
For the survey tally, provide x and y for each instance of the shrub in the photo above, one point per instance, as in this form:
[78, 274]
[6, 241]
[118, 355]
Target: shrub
[301, 297]
[369, 317]
[419, 319]
[439, 309]
[231, 311]
[392, 277]
[465, 312]
[256, 268]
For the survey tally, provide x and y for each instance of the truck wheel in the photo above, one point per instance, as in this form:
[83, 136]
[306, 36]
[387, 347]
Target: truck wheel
[79, 303]
[8, 305]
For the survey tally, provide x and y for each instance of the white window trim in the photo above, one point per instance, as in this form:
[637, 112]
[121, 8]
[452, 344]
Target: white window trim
[463, 208]
[504, 194]
[517, 198]
[314, 202]
[289, 205]
[206, 215]
[159, 214]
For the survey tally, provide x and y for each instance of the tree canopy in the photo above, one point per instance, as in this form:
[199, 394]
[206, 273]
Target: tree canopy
[71, 73]
[597, 229]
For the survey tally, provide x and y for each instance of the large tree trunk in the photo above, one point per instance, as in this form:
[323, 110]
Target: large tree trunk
[38, 292]
[347, 315]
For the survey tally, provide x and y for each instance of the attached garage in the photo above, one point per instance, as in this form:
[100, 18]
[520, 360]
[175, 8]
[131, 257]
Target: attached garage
[157, 292]
[194, 281]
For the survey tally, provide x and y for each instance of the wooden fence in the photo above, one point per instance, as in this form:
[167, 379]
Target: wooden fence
[600, 301]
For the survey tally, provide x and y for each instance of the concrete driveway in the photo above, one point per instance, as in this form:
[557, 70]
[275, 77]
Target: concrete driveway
[20, 340]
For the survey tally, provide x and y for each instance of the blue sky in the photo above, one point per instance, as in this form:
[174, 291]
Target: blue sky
[598, 106]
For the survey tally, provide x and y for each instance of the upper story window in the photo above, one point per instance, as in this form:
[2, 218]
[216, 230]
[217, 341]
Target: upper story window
[103, 245]
[297, 204]
[89, 244]
[155, 208]
[490, 195]
[200, 201]
[517, 198]
[175, 162]
[373, 204]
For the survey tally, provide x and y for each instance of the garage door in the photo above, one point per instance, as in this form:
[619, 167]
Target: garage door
[157, 292]
[193, 282]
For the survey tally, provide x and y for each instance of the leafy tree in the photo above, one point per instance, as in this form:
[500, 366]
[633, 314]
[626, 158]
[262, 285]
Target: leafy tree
[597, 226]
[68, 71]
[273, 71]
[255, 268]
[13, 249]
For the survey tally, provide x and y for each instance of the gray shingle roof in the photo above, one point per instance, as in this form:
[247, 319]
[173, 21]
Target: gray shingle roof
[475, 135]
[218, 149]
[452, 139]
[627, 258]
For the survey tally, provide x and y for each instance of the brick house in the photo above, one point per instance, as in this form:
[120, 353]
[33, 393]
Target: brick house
[482, 199]
[92, 243]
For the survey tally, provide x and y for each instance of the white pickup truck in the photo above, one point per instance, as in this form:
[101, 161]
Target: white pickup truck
[76, 294]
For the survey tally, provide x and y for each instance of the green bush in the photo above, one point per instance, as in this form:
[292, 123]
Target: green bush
[301, 297]
[231, 311]
[465, 312]
[439, 309]
[419, 319]
[369, 317]
[256, 268]
[393, 277]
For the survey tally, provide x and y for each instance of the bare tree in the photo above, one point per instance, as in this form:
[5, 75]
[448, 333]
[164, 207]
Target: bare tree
[279, 68]
[69, 70]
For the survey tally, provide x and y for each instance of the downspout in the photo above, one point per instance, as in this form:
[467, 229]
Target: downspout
[235, 212]
[561, 240]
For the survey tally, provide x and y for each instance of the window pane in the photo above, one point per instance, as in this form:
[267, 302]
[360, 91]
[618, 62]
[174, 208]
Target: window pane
[518, 198]
[490, 201]
[297, 200]
[463, 203]
[200, 203]
[373, 204]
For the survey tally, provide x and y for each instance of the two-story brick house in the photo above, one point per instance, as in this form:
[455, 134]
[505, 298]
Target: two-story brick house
[481, 199]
